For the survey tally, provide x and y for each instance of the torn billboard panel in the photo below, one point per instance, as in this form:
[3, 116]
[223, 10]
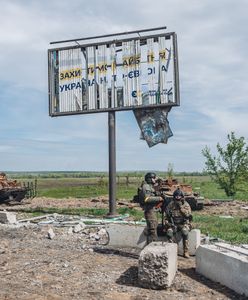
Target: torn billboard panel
[114, 75]
[154, 125]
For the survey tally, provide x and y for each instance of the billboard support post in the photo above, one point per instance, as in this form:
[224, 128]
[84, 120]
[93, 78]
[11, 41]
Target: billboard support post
[112, 163]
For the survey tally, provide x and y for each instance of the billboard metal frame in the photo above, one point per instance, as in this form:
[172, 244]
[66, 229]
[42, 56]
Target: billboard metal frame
[118, 42]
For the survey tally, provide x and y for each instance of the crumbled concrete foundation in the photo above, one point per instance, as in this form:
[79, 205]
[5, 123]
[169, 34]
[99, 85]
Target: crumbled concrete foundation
[157, 265]
[7, 217]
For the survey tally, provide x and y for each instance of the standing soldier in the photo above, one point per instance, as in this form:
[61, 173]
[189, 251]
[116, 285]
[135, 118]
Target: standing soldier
[178, 215]
[149, 201]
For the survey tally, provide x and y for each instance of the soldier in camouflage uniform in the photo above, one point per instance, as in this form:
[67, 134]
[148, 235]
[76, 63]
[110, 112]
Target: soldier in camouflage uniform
[150, 200]
[178, 217]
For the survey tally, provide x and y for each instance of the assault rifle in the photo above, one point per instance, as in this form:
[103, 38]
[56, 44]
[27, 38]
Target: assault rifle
[163, 206]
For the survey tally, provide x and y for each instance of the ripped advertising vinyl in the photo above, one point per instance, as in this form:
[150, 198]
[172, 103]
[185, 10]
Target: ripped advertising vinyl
[154, 125]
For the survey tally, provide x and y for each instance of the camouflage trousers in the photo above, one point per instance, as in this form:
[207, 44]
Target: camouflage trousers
[184, 229]
[152, 224]
[178, 232]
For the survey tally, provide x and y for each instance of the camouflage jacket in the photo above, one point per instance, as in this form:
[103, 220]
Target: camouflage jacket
[149, 195]
[179, 212]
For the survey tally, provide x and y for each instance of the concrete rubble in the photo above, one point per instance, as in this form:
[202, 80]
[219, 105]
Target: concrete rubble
[7, 217]
[50, 233]
[157, 265]
[93, 232]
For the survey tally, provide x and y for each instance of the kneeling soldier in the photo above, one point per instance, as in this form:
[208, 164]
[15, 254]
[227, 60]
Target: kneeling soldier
[178, 215]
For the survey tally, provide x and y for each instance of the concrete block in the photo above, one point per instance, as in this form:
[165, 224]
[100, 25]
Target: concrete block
[126, 235]
[245, 246]
[194, 242]
[50, 233]
[240, 250]
[225, 264]
[157, 265]
[77, 228]
[7, 217]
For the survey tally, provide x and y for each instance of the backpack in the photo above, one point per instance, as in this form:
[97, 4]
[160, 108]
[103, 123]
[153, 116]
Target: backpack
[139, 197]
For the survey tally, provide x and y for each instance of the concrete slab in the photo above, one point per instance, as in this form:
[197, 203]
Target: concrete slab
[245, 246]
[240, 250]
[194, 242]
[126, 235]
[224, 265]
[123, 235]
[7, 217]
[157, 265]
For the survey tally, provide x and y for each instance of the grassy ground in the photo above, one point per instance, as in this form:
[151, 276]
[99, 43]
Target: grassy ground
[233, 230]
[84, 188]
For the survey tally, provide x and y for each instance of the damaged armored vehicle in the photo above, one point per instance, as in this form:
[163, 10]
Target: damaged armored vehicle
[168, 186]
[13, 191]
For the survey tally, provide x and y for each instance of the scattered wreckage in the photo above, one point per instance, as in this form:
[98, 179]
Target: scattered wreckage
[12, 191]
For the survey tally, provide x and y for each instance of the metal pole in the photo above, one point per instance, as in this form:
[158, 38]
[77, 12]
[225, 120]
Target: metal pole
[112, 164]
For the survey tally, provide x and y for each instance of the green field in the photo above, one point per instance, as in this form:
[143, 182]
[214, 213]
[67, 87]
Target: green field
[233, 230]
[97, 186]
[87, 185]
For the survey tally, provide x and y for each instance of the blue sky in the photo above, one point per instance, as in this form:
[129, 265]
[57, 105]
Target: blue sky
[212, 42]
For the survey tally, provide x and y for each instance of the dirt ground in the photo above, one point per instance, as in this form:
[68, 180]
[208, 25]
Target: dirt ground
[224, 208]
[75, 266]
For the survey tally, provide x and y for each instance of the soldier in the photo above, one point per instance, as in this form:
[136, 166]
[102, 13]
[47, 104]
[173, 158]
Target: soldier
[149, 201]
[178, 215]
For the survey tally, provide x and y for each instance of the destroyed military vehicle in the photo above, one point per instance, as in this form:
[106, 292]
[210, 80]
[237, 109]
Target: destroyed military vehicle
[166, 188]
[13, 191]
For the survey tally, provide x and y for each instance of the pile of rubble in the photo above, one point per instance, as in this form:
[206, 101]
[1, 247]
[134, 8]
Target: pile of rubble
[68, 224]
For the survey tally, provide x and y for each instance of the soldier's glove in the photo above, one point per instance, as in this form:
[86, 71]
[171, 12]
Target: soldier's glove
[179, 204]
[160, 203]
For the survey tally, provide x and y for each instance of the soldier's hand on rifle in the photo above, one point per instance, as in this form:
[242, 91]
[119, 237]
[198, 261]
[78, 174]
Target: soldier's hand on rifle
[161, 199]
[157, 193]
[160, 203]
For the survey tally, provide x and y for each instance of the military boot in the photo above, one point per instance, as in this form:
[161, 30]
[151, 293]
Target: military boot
[186, 249]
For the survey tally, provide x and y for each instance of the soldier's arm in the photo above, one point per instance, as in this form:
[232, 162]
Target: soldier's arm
[149, 196]
[185, 209]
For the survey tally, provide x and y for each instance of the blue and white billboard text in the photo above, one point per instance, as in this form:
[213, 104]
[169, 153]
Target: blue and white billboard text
[114, 75]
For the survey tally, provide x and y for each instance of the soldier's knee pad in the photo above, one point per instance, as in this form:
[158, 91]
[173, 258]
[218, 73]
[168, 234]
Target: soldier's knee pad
[185, 231]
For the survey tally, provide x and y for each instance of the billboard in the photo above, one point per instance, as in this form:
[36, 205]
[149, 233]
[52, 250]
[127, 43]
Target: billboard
[124, 74]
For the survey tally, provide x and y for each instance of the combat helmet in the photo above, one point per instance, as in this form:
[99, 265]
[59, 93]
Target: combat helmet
[149, 176]
[178, 194]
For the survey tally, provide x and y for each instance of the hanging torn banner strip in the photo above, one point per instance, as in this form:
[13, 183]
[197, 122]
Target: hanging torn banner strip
[154, 125]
